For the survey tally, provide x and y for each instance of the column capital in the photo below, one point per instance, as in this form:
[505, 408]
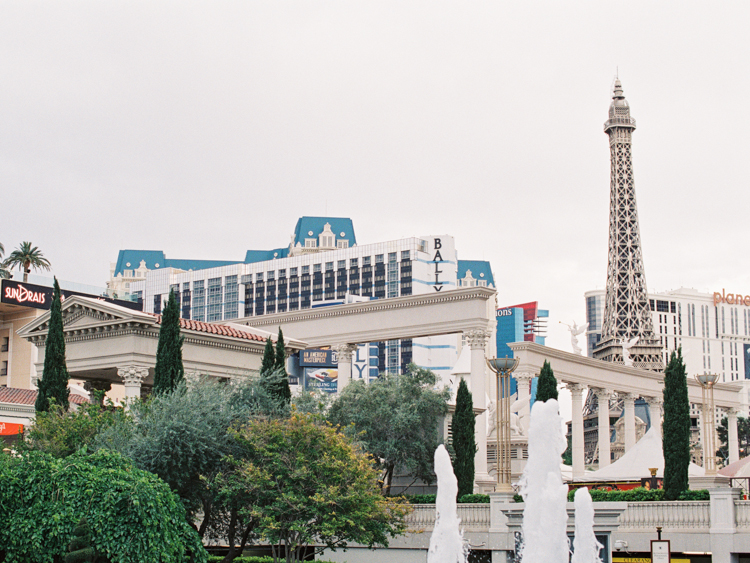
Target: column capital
[477, 338]
[345, 351]
[575, 388]
[602, 393]
[132, 375]
[629, 397]
[733, 412]
[523, 376]
[654, 401]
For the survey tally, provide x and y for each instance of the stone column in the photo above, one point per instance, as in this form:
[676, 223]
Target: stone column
[576, 392]
[733, 444]
[523, 382]
[654, 411]
[97, 385]
[133, 377]
[477, 340]
[605, 457]
[628, 401]
[344, 354]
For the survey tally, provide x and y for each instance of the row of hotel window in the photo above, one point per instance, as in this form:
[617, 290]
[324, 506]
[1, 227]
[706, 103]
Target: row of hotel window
[214, 302]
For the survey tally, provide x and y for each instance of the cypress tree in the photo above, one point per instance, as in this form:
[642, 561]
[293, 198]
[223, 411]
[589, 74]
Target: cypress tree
[464, 442]
[54, 381]
[169, 371]
[281, 376]
[269, 359]
[676, 428]
[546, 388]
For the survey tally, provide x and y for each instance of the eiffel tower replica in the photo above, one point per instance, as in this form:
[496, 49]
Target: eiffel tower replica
[627, 317]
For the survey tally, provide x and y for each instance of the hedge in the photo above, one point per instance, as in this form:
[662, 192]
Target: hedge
[430, 499]
[639, 494]
[250, 559]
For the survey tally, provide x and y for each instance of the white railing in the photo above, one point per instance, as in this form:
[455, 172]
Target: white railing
[668, 515]
[742, 513]
[473, 516]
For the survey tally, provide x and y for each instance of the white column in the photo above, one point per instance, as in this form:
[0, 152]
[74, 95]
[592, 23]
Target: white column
[605, 457]
[732, 441]
[133, 377]
[344, 355]
[654, 411]
[477, 340]
[576, 392]
[523, 382]
[628, 401]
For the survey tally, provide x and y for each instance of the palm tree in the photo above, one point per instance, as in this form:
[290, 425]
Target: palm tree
[3, 272]
[27, 257]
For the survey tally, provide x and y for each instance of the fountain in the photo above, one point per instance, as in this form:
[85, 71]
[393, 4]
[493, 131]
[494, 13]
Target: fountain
[447, 542]
[545, 515]
[585, 546]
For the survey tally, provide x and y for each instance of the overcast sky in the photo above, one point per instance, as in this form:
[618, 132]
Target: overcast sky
[206, 129]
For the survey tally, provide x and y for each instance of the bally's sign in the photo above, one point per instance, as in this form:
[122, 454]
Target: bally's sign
[40, 296]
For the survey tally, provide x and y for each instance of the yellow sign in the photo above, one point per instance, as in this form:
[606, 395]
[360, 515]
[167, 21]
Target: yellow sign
[730, 299]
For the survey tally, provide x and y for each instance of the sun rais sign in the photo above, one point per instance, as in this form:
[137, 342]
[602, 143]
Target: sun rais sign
[27, 295]
[731, 298]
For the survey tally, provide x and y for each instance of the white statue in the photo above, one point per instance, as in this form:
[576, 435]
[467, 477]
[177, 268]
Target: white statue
[626, 346]
[575, 332]
[516, 423]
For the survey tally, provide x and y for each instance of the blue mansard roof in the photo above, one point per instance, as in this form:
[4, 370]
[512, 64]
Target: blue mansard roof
[253, 256]
[339, 225]
[477, 268]
[155, 260]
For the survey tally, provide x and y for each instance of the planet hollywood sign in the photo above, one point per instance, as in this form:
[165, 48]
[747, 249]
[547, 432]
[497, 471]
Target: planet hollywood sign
[731, 298]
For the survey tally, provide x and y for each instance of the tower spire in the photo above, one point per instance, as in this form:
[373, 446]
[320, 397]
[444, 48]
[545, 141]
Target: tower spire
[627, 315]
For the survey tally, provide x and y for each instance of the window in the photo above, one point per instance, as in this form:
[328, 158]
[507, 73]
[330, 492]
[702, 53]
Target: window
[662, 306]
[342, 264]
[366, 260]
[329, 266]
[354, 263]
[342, 244]
[5, 344]
[292, 272]
[379, 259]
[259, 276]
[326, 241]
[405, 255]
[392, 257]
[4, 368]
[310, 243]
[282, 273]
[316, 268]
[305, 270]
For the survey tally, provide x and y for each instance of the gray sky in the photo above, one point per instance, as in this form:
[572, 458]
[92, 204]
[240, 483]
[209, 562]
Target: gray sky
[205, 129]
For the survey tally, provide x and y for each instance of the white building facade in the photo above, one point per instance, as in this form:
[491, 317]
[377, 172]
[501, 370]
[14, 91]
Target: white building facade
[322, 267]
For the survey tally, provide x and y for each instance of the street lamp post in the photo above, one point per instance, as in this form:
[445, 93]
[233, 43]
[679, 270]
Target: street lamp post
[502, 368]
[707, 381]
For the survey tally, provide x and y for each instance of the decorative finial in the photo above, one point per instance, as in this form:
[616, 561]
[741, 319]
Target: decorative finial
[618, 93]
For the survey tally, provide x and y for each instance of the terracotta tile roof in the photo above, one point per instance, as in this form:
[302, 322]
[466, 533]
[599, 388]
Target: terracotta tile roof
[211, 328]
[28, 396]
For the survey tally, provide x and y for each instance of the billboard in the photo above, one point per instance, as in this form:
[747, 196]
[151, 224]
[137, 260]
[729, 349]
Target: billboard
[317, 358]
[40, 296]
[321, 379]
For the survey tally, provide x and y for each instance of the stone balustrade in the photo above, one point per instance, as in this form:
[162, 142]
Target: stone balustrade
[742, 513]
[474, 517]
[675, 515]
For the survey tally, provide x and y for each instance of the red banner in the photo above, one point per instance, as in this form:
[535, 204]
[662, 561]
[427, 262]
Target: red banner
[10, 429]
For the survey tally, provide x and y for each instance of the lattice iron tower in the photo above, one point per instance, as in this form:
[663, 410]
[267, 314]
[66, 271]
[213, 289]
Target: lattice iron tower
[626, 309]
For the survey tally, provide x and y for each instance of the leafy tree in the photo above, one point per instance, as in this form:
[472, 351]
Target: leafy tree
[276, 378]
[182, 438]
[80, 549]
[169, 370]
[547, 385]
[305, 483]
[61, 433]
[27, 257]
[397, 418]
[132, 515]
[464, 442]
[567, 457]
[676, 428]
[743, 437]
[54, 381]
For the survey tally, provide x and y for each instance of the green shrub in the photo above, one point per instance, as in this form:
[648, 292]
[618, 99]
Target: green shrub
[250, 559]
[638, 494]
[474, 499]
[430, 499]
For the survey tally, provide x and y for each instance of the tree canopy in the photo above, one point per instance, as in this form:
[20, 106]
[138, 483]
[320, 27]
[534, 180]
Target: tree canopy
[306, 483]
[132, 515]
[169, 371]
[273, 370]
[54, 381]
[397, 419]
[676, 428]
[743, 437]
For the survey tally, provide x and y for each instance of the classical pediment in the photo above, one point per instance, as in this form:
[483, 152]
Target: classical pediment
[83, 313]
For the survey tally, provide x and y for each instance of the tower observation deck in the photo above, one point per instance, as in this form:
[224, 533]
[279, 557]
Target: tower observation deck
[627, 318]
